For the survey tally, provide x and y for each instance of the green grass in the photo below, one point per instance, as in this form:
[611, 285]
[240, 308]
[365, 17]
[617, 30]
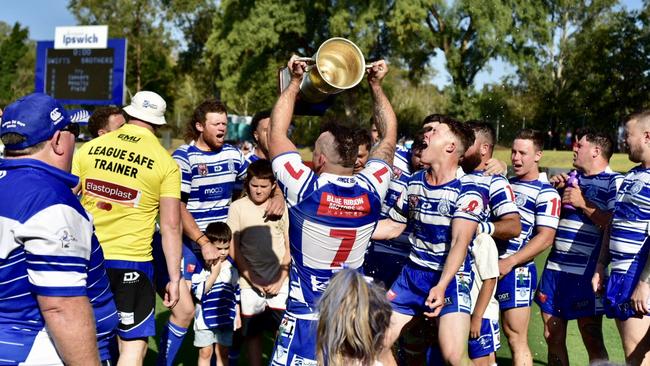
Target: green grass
[577, 351]
[577, 354]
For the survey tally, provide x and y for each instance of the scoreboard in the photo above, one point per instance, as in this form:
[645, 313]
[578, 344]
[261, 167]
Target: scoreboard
[82, 76]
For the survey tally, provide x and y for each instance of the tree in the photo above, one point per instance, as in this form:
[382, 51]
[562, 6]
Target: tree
[16, 63]
[469, 33]
[150, 46]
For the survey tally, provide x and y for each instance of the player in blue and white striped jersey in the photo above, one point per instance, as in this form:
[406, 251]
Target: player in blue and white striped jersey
[51, 265]
[539, 208]
[332, 211]
[444, 213]
[500, 220]
[565, 290]
[627, 247]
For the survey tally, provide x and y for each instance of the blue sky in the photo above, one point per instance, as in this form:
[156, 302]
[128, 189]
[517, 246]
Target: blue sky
[42, 16]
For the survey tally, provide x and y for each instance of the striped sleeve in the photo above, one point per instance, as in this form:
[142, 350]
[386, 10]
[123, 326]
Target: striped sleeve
[470, 203]
[502, 198]
[182, 159]
[57, 243]
[614, 184]
[547, 208]
[294, 177]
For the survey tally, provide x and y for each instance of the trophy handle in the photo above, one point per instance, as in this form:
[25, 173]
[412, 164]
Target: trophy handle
[309, 60]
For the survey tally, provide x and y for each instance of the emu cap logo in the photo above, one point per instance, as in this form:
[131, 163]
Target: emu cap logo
[148, 104]
[56, 116]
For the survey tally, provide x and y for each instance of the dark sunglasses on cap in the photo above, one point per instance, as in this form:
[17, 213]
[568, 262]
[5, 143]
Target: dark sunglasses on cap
[73, 128]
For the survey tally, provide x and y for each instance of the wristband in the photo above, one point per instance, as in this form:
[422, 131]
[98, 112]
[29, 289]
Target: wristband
[487, 228]
[199, 238]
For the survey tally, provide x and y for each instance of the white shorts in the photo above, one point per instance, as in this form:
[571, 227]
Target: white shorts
[252, 303]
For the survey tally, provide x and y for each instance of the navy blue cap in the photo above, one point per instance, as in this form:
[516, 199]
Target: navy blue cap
[36, 117]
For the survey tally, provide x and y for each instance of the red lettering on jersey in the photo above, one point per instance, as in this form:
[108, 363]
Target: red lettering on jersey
[294, 174]
[379, 173]
[472, 206]
[346, 207]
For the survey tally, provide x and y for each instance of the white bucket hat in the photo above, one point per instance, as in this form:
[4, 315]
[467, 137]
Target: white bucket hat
[147, 106]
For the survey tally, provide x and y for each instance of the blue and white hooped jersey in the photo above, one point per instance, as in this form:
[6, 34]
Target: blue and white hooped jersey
[331, 220]
[539, 205]
[208, 179]
[630, 228]
[398, 182]
[430, 210]
[578, 239]
[45, 247]
[217, 308]
[500, 198]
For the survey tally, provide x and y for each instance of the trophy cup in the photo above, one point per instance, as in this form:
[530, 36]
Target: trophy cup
[338, 65]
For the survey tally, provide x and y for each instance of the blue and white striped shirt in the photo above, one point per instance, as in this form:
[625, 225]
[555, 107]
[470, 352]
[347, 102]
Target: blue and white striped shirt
[430, 210]
[631, 223]
[578, 239]
[539, 205]
[47, 248]
[217, 308]
[208, 179]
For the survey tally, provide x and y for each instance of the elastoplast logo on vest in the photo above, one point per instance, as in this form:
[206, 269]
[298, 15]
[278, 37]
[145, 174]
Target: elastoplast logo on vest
[89, 36]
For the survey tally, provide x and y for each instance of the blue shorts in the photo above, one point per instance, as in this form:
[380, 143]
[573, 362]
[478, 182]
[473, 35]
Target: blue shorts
[517, 288]
[382, 266]
[617, 297]
[296, 342]
[135, 297]
[567, 295]
[190, 263]
[489, 341]
[411, 289]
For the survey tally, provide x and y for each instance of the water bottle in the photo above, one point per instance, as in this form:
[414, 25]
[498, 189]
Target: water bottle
[572, 181]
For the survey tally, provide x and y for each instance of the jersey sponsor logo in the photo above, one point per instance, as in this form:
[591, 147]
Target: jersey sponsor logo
[130, 277]
[126, 318]
[520, 200]
[104, 206]
[212, 191]
[66, 237]
[319, 284]
[292, 172]
[345, 207]
[203, 169]
[128, 138]
[503, 297]
[112, 192]
[190, 268]
[301, 361]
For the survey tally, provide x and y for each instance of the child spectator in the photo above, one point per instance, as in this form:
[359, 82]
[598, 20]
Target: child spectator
[216, 289]
[261, 251]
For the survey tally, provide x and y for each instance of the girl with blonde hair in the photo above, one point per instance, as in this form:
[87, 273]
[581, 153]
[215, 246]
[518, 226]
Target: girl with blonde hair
[354, 316]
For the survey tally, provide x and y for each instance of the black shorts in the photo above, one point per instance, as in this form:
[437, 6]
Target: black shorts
[135, 297]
